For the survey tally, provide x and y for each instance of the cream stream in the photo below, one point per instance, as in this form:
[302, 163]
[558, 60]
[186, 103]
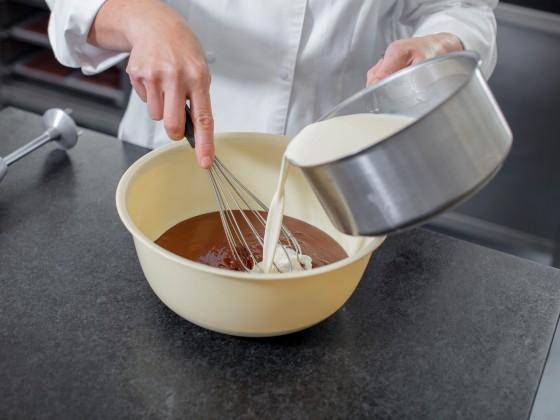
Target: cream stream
[274, 219]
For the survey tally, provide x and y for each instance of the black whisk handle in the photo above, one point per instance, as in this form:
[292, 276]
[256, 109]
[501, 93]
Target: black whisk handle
[189, 127]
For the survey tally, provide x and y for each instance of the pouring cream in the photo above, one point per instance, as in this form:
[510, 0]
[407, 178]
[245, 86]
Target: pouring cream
[320, 143]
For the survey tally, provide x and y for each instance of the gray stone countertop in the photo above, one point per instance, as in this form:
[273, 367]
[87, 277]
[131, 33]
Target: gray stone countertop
[438, 328]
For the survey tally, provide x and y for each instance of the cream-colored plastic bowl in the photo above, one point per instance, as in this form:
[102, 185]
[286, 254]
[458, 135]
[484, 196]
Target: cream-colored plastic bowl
[166, 186]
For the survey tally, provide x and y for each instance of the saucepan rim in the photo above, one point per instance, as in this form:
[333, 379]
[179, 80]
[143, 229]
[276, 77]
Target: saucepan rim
[468, 54]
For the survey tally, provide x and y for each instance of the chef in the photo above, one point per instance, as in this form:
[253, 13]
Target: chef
[256, 65]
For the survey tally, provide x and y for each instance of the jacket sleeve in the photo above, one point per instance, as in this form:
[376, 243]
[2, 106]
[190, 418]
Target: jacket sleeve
[69, 26]
[472, 21]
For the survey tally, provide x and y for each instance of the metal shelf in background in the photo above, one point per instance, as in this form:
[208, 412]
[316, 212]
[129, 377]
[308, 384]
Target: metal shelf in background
[23, 32]
[99, 115]
[73, 80]
[25, 23]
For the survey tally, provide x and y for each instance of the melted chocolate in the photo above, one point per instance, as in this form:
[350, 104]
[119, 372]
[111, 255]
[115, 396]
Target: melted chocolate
[202, 239]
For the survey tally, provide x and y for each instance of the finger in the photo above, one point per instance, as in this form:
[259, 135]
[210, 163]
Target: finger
[203, 122]
[371, 76]
[155, 100]
[139, 87]
[174, 113]
[397, 57]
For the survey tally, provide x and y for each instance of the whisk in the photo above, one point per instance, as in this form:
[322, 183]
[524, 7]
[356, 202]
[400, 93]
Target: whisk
[241, 211]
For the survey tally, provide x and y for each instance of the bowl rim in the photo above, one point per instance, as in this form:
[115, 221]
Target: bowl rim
[137, 234]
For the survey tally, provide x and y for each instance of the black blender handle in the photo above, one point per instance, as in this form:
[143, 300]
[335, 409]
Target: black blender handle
[189, 127]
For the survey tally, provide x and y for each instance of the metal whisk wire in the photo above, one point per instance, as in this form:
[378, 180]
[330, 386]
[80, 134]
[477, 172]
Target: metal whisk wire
[233, 197]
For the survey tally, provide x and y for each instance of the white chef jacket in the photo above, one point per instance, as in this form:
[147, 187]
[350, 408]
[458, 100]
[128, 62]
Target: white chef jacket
[278, 65]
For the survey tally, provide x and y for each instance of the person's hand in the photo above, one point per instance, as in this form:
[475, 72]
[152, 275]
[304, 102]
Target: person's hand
[166, 67]
[405, 52]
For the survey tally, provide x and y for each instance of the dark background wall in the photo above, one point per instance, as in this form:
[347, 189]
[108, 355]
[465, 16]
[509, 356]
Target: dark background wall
[519, 211]
[525, 195]
[547, 5]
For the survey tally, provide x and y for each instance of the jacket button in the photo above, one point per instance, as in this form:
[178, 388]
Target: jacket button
[210, 57]
[285, 75]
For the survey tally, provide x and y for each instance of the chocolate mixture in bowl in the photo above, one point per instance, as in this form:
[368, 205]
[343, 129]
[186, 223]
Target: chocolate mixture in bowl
[201, 239]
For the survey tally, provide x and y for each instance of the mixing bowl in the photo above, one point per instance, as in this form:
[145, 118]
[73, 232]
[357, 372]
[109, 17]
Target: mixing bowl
[166, 186]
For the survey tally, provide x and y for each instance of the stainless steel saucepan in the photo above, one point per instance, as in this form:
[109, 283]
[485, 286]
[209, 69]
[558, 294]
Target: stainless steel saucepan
[457, 142]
